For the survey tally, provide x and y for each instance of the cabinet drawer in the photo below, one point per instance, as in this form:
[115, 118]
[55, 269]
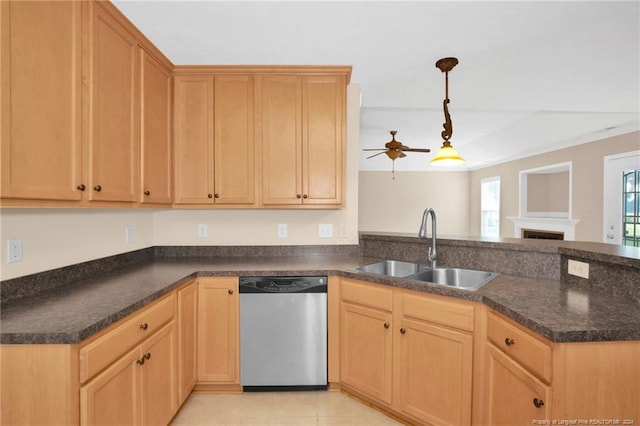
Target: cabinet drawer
[103, 351]
[532, 353]
[436, 310]
[371, 295]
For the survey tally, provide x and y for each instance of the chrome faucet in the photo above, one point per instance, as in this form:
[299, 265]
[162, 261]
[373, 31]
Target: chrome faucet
[432, 255]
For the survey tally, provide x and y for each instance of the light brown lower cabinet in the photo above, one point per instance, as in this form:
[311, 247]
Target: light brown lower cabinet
[410, 353]
[139, 388]
[218, 333]
[530, 379]
[187, 338]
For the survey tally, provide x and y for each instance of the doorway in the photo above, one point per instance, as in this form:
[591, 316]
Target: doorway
[621, 194]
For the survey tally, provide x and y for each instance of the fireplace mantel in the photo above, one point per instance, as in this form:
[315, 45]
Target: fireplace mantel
[555, 224]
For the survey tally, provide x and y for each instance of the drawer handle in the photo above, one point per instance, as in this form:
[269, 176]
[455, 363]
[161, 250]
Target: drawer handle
[230, 291]
[386, 325]
[403, 330]
[509, 341]
[538, 402]
[144, 326]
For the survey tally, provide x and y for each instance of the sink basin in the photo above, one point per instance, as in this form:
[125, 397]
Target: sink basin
[467, 279]
[392, 268]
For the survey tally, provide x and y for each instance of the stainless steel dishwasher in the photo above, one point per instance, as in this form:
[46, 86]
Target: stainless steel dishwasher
[283, 333]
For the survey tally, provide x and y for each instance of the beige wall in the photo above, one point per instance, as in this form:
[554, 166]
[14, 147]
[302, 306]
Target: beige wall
[396, 205]
[587, 168]
[54, 238]
[548, 192]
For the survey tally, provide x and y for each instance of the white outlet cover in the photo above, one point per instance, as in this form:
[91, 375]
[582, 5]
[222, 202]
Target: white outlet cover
[128, 233]
[14, 250]
[282, 230]
[203, 230]
[325, 230]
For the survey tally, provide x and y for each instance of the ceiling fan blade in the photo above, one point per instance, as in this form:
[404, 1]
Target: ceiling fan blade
[401, 154]
[407, 149]
[375, 155]
[374, 149]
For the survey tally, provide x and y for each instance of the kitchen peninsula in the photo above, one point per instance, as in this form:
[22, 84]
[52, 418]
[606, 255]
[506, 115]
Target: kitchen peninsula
[533, 294]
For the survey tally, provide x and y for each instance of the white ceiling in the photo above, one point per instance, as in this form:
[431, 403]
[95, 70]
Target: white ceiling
[533, 76]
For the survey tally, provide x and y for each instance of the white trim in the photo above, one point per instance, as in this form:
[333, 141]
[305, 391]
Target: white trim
[612, 194]
[566, 226]
[553, 168]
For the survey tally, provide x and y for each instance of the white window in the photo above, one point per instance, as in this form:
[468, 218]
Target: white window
[490, 207]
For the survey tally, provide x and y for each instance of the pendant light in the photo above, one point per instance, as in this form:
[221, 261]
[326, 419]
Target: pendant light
[447, 155]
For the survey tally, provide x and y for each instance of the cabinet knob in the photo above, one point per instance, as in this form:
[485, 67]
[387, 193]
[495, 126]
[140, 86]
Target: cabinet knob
[298, 196]
[386, 325]
[509, 341]
[140, 361]
[403, 330]
[538, 402]
[305, 196]
[144, 326]
[97, 188]
[230, 291]
[216, 195]
[147, 355]
[210, 195]
[147, 192]
[81, 187]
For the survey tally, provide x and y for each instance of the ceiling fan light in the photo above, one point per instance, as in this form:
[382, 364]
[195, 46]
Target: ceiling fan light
[447, 156]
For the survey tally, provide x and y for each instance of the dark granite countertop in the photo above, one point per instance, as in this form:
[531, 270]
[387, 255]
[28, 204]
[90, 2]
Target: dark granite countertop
[71, 313]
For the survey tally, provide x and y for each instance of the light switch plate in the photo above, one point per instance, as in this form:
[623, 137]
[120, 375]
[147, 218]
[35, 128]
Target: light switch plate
[128, 233]
[203, 230]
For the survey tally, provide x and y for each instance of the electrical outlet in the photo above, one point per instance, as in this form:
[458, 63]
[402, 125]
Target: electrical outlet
[14, 250]
[325, 230]
[282, 230]
[203, 230]
[128, 233]
[579, 269]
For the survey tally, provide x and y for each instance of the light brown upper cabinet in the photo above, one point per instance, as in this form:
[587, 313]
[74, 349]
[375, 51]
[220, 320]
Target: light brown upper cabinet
[114, 114]
[41, 68]
[156, 151]
[303, 139]
[214, 144]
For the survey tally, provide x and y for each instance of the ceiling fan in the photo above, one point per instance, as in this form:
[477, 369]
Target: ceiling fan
[394, 149]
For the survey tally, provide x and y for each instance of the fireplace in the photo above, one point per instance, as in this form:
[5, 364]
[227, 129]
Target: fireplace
[542, 234]
[566, 228]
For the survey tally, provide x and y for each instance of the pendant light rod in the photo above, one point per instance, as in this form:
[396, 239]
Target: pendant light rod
[447, 155]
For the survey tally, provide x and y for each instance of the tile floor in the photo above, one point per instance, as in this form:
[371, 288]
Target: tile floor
[319, 408]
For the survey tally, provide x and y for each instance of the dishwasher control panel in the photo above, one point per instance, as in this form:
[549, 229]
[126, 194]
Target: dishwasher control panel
[283, 284]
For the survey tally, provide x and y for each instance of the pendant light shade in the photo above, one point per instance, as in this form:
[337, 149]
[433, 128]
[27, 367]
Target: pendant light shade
[447, 155]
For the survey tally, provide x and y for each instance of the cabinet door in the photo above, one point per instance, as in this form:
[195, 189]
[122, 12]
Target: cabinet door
[193, 158]
[155, 131]
[234, 175]
[281, 134]
[366, 351]
[218, 349]
[158, 377]
[434, 366]
[513, 394]
[113, 397]
[187, 323]
[323, 100]
[41, 94]
[113, 153]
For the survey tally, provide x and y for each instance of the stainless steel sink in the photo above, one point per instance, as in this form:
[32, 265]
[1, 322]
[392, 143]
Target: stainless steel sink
[467, 279]
[392, 268]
